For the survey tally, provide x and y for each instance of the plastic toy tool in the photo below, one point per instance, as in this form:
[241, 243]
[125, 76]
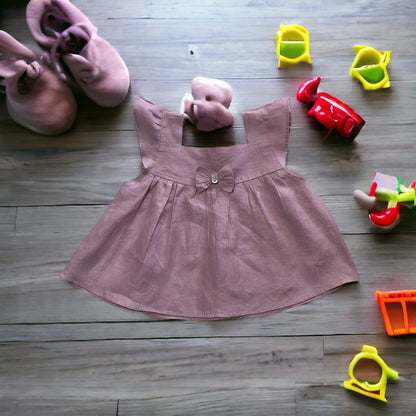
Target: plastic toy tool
[369, 374]
[329, 111]
[398, 308]
[370, 67]
[387, 196]
[292, 45]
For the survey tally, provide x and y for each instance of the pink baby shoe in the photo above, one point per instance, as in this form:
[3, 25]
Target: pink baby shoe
[36, 98]
[207, 105]
[77, 52]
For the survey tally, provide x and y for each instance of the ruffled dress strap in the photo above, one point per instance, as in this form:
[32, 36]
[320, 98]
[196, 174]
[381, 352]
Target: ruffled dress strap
[270, 123]
[148, 119]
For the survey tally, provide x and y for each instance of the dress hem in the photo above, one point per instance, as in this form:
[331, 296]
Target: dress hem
[127, 303]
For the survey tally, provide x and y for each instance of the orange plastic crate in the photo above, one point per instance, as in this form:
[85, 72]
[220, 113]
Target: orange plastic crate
[399, 311]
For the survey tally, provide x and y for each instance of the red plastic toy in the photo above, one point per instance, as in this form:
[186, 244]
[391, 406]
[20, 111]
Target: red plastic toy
[329, 111]
[386, 198]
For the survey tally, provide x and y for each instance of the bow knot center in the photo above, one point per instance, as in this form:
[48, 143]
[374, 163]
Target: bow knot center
[224, 179]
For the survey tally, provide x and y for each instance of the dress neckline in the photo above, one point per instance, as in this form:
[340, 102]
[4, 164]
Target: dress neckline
[180, 118]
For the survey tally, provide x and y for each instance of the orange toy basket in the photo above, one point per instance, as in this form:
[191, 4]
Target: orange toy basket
[399, 311]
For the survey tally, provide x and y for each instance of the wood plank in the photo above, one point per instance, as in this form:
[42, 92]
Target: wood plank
[356, 12]
[8, 220]
[62, 318]
[323, 400]
[216, 9]
[78, 170]
[230, 401]
[294, 322]
[56, 406]
[147, 369]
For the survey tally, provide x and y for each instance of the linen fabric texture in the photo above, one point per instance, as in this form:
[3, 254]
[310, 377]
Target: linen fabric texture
[213, 232]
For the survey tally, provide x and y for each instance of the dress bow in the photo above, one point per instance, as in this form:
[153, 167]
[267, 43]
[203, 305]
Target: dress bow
[223, 179]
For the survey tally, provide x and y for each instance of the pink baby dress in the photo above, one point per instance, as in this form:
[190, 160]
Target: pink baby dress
[213, 232]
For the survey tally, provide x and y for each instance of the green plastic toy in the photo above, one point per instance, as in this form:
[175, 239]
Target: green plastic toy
[292, 44]
[370, 67]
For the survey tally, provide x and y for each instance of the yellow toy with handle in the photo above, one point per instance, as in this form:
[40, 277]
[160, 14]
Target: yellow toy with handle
[292, 45]
[369, 374]
[370, 67]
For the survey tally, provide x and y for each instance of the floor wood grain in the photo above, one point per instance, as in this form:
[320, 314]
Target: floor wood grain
[64, 352]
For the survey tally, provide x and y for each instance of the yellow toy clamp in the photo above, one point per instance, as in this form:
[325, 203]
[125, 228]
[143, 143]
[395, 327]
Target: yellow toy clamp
[292, 44]
[370, 67]
[369, 374]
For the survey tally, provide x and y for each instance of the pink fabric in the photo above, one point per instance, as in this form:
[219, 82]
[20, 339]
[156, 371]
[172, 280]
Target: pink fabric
[208, 105]
[71, 38]
[36, 98]
[183, 241]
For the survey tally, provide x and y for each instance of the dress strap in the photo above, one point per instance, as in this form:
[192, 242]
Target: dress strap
[148, 118]
[270, 123]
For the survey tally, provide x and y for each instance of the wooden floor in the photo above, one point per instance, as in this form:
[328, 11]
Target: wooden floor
[65, 352]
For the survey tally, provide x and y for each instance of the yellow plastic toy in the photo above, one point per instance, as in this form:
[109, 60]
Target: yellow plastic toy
[292, 44]
[369, 374]
[370, 67]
